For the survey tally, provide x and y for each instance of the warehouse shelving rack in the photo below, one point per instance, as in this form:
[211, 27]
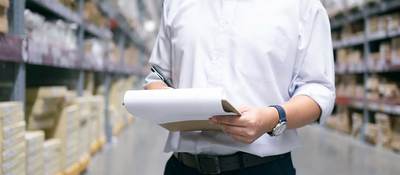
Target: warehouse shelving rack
[358, 15]
[14, 55]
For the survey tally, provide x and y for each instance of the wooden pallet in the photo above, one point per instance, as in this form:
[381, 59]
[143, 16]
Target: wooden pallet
[131, 120]
[102, 141]
[73, 170]
[84, 162]
[118, 128]
[95, 147]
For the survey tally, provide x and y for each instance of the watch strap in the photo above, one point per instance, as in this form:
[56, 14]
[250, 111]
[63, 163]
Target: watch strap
[281, 114]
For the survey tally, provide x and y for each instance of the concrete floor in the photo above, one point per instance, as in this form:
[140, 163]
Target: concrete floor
[138, 151]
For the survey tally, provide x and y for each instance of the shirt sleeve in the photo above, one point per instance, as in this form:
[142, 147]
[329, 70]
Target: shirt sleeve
[314, 73]
[161, 54]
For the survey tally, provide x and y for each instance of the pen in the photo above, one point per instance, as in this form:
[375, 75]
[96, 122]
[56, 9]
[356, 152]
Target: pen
[155, 69]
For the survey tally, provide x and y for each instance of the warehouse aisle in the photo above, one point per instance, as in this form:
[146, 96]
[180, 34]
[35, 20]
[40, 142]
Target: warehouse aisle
[323, 152]
[137, 151]
[331, 153]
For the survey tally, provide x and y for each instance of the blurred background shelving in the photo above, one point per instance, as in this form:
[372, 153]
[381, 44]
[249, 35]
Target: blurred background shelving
[64, 66]
[366, 40]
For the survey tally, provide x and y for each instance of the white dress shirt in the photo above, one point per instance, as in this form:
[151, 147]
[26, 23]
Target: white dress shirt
[261, 52]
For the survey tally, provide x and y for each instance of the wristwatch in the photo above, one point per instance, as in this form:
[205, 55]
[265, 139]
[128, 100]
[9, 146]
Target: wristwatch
[282, 125]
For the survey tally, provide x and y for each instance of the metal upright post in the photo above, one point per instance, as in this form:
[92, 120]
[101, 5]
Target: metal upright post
[107, 123]
[17, 27]
[81, 55]
[366, 51]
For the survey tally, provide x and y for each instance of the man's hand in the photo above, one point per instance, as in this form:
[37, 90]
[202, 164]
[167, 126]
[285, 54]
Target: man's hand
[156, 85]
[252, 124]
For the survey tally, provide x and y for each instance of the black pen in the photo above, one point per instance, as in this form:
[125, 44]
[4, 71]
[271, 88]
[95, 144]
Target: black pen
[155, 69]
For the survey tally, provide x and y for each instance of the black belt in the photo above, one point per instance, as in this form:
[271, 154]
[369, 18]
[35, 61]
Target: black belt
[209, 164]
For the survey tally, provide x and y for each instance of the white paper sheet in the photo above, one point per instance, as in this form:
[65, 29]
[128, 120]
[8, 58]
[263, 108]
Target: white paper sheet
[174, 105]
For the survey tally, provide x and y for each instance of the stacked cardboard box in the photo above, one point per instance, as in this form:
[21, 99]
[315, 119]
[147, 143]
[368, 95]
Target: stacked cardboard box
[12, 133]
[380, 59]
[41, 35]
[395, 51]
[395, 142]
[4, 4]
[97, 119]
[119, 115]
[92, 14]
[71, 4]
[131, 56]
[340, 121]
[84, 122]
[371, 133]
[95, 53]
[34, 151]
[384, 129]
[352, 32]
[67, 131]
[380, 88]
[357, 122]
[349, 60]
[44, 105]
[349, 87]
[52, 156]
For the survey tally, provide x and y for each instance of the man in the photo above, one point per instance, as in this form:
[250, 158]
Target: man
[273, 58]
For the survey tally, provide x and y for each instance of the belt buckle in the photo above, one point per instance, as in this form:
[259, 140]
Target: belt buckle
[216, 164]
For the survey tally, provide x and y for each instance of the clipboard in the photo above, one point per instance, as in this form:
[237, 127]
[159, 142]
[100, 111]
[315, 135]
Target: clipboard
[180, 109]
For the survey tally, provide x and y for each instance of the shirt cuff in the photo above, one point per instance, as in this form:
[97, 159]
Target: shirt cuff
[322, 95]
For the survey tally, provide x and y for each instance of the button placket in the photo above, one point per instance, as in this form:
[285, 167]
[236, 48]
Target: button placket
[216, 64]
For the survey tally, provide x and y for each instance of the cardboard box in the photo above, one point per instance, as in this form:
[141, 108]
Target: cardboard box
[34, 141]
[67, 130]
[42, 124]
[51, 152]
[46, 92]
[357, 122]
[384, 129]
[10, 108]
[5, 3]
[13, 163]
[13, 130]
[395, 143]
[12, 141]
[371, 133]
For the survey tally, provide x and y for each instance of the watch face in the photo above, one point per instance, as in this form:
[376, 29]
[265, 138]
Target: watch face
[280, 128]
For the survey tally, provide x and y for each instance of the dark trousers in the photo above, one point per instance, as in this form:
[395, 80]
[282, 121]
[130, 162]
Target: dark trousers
[283, 166]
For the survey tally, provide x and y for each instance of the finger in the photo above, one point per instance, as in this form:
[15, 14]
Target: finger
[234, 121]
[241, 139]
[234, 130]
[243, 108]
